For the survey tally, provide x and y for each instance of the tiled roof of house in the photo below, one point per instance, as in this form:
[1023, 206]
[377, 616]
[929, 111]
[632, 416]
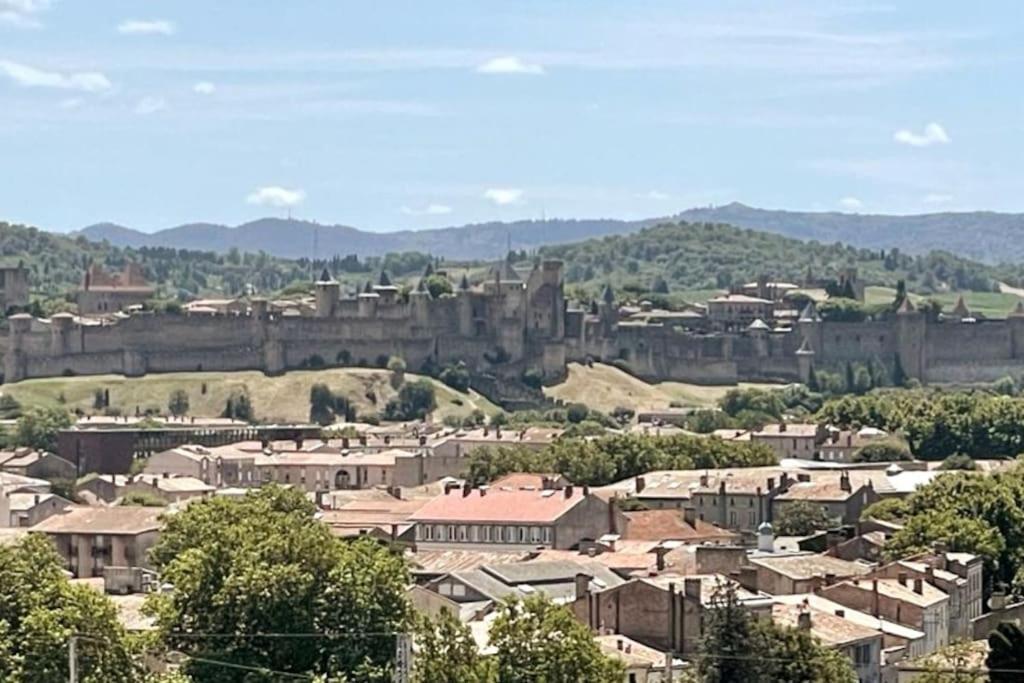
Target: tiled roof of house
[102, 520]
[809, 565]
[669, 525]
[499, 505]
[830, 629]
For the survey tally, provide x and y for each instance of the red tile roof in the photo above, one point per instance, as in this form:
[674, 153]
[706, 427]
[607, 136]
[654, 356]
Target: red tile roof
[665, 525]
[497, 505]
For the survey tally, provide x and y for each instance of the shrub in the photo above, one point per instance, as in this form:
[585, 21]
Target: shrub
[577, 412]
[456, 376]
[958, 461]
[414, 401]
[533, 377]
[883, 450]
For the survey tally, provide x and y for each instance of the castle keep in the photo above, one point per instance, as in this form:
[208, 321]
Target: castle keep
[512, 323]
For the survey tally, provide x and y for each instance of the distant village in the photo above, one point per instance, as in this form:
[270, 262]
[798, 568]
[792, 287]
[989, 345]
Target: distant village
[636, 561]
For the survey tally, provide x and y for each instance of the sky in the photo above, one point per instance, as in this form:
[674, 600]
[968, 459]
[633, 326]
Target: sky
[394, 115]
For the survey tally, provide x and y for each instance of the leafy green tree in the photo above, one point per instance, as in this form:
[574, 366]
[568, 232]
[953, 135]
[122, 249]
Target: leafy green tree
[887, 510]
[263, 564]
[577, 412]
[39, 612]
[537, 641]
[447, 653]
[737, 648]
[397, 367]
[414, 401]
[456, 376]
[958, 461]
[143, 499]
[801, 518]
[883, 450]
[38, 427]
[10, 408]
[321, 404]
[238, 406]
[1006, 653]
[438, 285]
[177, 403]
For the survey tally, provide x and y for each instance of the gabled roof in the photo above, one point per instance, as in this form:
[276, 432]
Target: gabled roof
[497, 505]
[102, 520]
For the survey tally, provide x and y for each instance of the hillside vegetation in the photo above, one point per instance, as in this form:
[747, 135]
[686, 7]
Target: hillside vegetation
[284, 398]
[606, 387]
[687, 256]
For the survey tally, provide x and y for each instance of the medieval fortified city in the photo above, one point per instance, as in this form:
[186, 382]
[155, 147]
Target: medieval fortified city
[561, 409]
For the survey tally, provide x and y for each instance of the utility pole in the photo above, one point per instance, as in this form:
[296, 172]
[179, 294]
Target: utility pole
[73, 659]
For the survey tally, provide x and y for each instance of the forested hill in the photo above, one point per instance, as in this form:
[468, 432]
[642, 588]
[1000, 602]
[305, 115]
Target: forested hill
[691, 256]
[296, 238]
[57, 263]
[985, 236]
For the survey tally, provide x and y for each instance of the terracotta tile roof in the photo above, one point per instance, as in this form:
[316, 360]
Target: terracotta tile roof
[497, 505]
[669, 525]
[632, 653]
[821, 487]
[102, 520]
[446, 561]
[525, 480]
[790, 430]
[892, 588]
[830, 629]
[806, 566]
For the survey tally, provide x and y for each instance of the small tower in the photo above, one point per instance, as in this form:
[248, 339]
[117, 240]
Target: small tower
[805, 361]
[608, 313]
[328, 292]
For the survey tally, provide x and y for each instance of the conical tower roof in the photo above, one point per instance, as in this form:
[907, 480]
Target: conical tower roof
[608, 296]
[384, 280]
[906, 307]
[960, 310]
[464, 283]
[805, 348]
[809, 314]
[325, 276]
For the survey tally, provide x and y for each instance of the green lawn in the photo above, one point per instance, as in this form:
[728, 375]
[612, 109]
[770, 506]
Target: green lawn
[988, 304]
[283, 398]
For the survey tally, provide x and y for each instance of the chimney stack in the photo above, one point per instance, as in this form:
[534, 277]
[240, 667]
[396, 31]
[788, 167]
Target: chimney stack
[844, 482]
[640, 484]
[902, 578]
[659, 554]
[582, 585]
[690, 515]
[467, 488]
[918, 586]
[804, 621]
[569, 491]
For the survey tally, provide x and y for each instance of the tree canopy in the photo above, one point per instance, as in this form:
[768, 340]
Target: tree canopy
[265, 565]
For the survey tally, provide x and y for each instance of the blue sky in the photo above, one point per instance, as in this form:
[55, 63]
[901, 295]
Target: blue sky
[389, 115]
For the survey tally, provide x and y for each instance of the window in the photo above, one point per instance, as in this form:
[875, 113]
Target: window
[732, 501]
[750, 519]
[445, 589]
[750, 503]
[522, 534]
[535, 534]
[498, 535]
[451, 532]
[732, 519]
[458, 590]
[462, 533]
[547, 534]
[485, 534]
[862, 655]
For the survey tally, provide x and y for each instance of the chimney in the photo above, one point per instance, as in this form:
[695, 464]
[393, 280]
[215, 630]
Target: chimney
[690, 515]
[830, 579]
[423, 440]
[782, 427]
[771, 484]
[483, 491]
[640, 484]
[804, 621]
[918, 586]
[618, 643]
[298, 444]
[704, 480]
[582, 585]
[167, 475]
[902, 577]
[844, 482]
[569, 491]
[840, 613]
[929, 574]
[586, 490]
[659, 555]
[35, 499]
[784, 481]
[692, 588]
[387, 439]
[449, 487]
[467, 489]
[486, 431]
[344, 443]
[803, 477]
[721, 489]
[876, 608]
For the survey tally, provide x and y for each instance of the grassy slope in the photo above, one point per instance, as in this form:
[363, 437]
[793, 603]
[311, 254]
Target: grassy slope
[283, 398]
[604, 387]
[989, 304]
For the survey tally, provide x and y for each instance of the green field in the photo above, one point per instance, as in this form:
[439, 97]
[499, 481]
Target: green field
[988, 304]
[605, 387]
[284, 398]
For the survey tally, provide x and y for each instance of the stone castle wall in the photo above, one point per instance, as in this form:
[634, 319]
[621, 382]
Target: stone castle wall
[501, 329]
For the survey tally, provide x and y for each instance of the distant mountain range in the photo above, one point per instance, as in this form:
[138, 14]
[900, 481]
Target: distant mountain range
[985, 236]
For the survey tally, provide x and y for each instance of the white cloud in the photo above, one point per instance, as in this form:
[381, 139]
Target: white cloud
[150, 105]
[22, 12]
[430, 210]
[31, 77]
[139, 27]
[656, 195]
[276, 196]
[937, 198]
[851, 203]
[933, 134]
[204, 88]
[510, 65]
[502, 196]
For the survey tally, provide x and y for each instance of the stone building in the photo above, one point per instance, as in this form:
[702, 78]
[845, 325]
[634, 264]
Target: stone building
[13, 287]
[103, 293]
[91, 538]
